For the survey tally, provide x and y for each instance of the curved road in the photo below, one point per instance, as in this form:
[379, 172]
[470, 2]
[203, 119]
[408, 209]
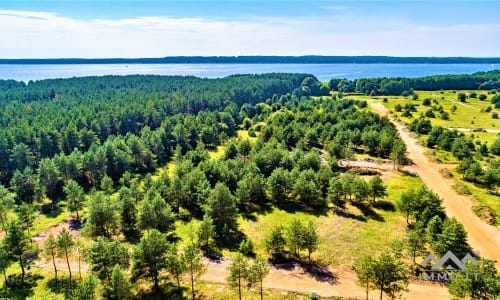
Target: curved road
[482, 237]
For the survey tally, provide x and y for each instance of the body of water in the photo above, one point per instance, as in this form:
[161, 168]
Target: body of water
[324, 72]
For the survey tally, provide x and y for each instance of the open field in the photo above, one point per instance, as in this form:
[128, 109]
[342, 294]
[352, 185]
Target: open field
[344, 238]
[469, 115]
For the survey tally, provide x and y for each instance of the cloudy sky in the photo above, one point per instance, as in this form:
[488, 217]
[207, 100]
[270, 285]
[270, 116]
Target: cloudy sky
[134, 28]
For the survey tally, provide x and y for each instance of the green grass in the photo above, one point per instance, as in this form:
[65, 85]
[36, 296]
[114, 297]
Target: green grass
[484, 197]
[467, 115]
[343, 239]
[44, 221]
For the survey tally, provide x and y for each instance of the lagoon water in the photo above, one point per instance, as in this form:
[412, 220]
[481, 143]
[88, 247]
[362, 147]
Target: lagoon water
[324, 72]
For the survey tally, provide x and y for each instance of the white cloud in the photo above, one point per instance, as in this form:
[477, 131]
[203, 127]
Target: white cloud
[44, 34]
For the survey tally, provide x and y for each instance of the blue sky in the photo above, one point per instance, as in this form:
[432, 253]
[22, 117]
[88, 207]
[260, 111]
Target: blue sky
[92, 28]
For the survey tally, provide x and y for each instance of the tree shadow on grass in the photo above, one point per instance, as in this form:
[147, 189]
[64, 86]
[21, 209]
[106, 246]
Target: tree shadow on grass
[168, 291]
[14, 289]
[384, 205]
[293, 207]
[231, 240]
[61, 285]
[369, 212]
[319, 273]
[49, 211]
[346, 214]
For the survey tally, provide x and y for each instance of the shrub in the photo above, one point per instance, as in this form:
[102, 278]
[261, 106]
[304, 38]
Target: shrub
[427, 101]
[246, 247]
[482, 97]
[462, 97]
[494, 115]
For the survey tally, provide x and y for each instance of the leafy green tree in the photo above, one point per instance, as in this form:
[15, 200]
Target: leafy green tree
[107, 185]
[462, 97]
[48, 177]
[311, 238]
[155, 213]
[360, 189]
[102, 216]
[305, 190]
[128, 211]
[377, 188]
[74, 196]
[491, 177]
[6, 203]
[194, 264]
[221, 207]
[149, 256]
[257, 271]
[50, 246]
[175, 265]
[295, 236]
[238, 272]
[452, 238]
[275, 241]
[250, 189]
[21, 157]
[104, 255]
[26, 214]
[23, 184]
[433, 228]
[65, 244]
[398, 153]
[206, 232]
[347, 180]
[385, 273]
[246, 247]
[279, 185]
[365, 268]
[119, 285]
[480, 281]
[5, 262]
[69, 165]
[244, 148]
[462, 147]
[15, 243]
[86, 290]
[336, 193]
[415, 242]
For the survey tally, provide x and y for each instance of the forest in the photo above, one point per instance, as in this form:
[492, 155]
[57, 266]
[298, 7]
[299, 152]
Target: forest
[91, 146]
[406, 86]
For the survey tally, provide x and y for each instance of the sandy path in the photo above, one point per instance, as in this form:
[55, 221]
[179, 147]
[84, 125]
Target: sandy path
[482, 237]
[343, 285]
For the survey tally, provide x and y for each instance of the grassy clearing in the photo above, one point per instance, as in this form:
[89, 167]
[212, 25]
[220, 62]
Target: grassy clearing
[343, 239]
[471, 114]
[44, 221]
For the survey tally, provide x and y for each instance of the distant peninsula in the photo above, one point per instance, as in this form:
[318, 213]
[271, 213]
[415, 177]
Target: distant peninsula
[309, 59]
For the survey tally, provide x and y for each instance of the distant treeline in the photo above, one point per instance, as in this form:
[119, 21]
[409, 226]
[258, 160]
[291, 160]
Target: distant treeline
[400, 86]
[308, 59]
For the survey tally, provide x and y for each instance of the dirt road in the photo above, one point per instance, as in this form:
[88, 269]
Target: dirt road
[341, 282]
[482, 237]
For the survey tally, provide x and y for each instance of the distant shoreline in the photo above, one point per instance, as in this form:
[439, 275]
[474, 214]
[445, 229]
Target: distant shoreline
[261, 60]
